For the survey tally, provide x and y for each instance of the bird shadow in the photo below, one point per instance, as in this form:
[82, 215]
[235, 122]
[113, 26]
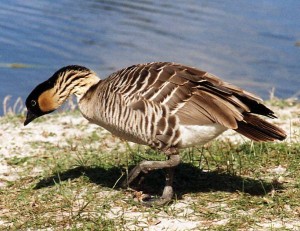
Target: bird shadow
[188, 179]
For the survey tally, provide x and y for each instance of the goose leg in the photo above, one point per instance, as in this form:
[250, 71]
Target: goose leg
[168, 189]
[146, 166]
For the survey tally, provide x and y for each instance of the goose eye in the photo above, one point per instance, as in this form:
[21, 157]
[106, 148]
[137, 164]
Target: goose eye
[33, 103]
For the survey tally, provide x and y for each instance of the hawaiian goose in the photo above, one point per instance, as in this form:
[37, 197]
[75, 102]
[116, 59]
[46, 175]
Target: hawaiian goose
[164, 105]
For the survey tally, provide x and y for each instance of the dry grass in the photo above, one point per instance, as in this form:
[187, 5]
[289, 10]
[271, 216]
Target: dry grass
[62, 173]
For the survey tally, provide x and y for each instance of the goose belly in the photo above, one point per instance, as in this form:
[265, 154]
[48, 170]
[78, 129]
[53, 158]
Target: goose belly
[199, 134]
[129, 135]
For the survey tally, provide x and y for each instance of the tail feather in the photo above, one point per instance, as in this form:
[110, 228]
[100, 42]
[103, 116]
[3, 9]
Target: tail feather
[258, 129]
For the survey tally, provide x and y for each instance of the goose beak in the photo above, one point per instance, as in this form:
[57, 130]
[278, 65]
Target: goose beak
[29, 117]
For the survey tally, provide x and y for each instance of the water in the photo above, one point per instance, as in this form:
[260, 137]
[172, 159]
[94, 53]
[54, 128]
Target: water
[248, 43]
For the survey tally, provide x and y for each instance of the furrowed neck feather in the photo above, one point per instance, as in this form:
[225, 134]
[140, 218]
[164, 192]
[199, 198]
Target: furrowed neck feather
[74, 82]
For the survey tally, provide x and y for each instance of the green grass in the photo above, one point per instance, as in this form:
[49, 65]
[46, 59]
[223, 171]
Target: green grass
[77, 186]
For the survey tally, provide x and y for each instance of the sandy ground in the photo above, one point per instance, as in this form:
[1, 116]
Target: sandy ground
[14, 138]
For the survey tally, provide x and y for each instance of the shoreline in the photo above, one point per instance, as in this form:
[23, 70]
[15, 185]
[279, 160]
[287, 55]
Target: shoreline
[56, 128]
[66, 130]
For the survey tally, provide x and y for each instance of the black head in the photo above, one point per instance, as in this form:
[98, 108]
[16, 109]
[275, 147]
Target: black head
[38, 101]
[45, 97]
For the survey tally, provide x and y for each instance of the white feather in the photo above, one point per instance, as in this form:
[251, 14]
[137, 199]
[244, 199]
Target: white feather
[195, 134]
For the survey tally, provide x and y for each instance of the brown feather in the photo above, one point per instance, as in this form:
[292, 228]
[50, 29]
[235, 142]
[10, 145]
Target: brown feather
[195, 97]
[258, 129]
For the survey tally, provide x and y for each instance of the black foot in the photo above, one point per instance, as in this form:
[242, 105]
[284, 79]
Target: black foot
[165, 199]
[146, 166]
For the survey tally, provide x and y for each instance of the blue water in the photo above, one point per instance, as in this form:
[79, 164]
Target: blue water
[248, 43]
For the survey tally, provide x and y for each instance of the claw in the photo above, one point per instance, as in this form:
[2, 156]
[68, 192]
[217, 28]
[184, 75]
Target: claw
[146, 166]
[151, 201]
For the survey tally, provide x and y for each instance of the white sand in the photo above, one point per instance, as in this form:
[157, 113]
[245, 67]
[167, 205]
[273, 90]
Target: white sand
[15, 142]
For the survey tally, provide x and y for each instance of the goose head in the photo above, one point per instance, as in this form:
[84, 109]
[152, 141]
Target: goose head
[52, 93]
